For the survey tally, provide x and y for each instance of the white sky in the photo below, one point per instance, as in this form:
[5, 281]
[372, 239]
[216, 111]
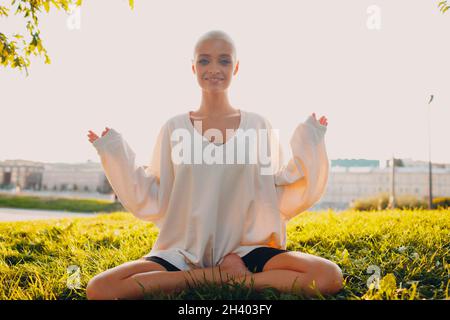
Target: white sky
[130, 70]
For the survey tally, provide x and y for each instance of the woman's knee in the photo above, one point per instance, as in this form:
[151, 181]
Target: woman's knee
[97, 288]
[329, 278]
[107, 285]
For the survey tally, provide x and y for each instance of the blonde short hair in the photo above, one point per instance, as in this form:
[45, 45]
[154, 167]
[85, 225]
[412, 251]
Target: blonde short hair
[216, 34]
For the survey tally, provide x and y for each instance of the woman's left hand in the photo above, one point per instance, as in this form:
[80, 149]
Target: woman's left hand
[323, 120]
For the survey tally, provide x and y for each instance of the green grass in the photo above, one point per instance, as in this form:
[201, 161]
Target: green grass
[58, 203]
[410, 248]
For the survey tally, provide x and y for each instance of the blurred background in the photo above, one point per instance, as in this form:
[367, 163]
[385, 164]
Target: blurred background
[370, 68]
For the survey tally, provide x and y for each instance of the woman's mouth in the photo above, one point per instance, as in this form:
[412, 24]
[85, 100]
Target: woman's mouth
[214, 80]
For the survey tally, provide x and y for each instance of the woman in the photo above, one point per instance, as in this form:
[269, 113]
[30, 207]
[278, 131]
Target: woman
[217, 221]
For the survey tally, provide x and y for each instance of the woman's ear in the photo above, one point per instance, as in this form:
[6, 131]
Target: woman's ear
[193, 68]
[236, 68]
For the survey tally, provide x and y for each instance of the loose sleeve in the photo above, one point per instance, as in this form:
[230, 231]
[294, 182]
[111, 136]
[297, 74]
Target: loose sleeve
[302, 182]
[142, 190]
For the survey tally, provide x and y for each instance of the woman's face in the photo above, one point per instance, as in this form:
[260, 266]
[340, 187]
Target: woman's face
[214, 65]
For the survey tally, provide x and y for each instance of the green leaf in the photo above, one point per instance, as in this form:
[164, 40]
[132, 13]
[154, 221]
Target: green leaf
[47, 6]
[131, 2]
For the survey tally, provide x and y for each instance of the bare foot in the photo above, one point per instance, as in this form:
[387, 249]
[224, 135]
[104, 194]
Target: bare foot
[233, 266]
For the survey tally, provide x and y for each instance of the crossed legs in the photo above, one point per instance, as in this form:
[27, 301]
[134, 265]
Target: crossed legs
[133, 279]
[288, 272]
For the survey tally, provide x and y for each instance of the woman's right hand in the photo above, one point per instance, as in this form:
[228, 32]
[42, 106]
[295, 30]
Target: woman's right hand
[93, 136]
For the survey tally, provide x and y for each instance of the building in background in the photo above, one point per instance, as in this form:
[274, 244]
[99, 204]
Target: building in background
[29, 175]
[83, 177]
[22, 173]
[350, 180]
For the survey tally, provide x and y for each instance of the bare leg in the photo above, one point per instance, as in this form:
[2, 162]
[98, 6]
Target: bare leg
[137, 285]
[287, 281]
[296, 272]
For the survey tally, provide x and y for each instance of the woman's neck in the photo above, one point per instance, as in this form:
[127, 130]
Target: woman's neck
[214, 104]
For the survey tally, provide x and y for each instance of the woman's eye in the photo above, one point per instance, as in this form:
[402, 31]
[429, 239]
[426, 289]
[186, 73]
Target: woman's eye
[204, 61]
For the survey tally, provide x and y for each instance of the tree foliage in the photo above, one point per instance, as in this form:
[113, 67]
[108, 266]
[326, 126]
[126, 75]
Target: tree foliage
[16, 49]
[443, 6]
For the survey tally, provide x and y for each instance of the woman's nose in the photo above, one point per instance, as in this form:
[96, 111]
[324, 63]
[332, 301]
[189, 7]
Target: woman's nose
[215, 68]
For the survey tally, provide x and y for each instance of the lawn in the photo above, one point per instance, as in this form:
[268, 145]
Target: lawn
[407, 250]
[59, 203]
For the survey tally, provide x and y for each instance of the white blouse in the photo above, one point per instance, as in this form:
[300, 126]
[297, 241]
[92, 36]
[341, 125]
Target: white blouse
[206, 210]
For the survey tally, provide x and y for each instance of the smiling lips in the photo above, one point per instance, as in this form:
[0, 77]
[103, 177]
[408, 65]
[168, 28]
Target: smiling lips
[214, 79]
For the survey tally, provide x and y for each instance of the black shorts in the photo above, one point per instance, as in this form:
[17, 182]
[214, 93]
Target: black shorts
[257, 258]
[254, 260]
[166, 264]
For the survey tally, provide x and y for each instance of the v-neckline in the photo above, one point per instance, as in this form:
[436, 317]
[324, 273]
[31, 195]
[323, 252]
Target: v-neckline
[236, 132]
